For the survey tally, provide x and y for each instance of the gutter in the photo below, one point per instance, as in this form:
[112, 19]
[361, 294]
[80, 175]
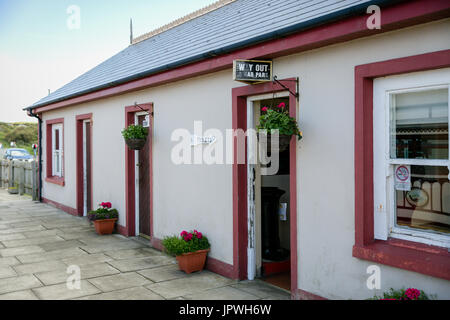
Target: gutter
[302, 26]
[31, 114]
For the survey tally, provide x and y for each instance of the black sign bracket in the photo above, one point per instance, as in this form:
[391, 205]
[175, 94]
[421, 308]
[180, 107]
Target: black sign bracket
[295, 94]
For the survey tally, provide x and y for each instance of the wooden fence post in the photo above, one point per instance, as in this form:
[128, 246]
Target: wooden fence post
[21, 172]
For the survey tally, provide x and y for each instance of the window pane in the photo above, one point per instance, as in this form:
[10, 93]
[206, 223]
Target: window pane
[427, 204]
[57, 139]
[419, 125]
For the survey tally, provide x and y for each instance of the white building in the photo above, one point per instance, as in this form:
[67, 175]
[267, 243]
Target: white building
[367, 185]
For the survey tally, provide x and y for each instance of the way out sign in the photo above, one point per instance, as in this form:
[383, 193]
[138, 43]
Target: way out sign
[402, 176]
[252, 71]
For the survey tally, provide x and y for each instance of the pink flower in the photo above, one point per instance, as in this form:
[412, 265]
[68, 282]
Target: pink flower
[264, 109]
[183, 233]
[282, 105]
[412, 293]
[199, 235]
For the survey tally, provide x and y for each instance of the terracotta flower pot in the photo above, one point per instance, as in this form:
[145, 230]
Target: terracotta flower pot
[104, 226]
[192, 261]
[135, 144]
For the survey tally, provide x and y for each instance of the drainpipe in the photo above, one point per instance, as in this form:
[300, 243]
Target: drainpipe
[31, 114]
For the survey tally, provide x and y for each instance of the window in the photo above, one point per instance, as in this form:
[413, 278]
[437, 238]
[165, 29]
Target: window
[55, 151]
[411, 157]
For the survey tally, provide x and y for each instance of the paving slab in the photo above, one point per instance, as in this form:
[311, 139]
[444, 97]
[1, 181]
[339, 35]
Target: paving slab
[19, 283]
[20, 230]
[133, 253]
[62, 292]
[261, 289]
[164, 273]
[33, 241]
[7, 272]
[12, 236]
[136, 293]
[119, 281]
[127, 265]
[52, 255]
[60, 245]
[87, 259]
[8, 261]
[49, 265]
[40, 234]
[86, 272]
[190, 285]
[19, 295]
[20, 251]
[108, 247]
[223, 293]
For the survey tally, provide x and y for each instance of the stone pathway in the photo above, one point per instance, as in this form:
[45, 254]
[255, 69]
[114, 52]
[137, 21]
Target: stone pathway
[39, 242]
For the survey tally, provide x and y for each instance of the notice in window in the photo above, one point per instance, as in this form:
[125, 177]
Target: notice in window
[402, 175]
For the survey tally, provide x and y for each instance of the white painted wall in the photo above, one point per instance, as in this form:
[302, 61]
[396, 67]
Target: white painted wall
[195, 196]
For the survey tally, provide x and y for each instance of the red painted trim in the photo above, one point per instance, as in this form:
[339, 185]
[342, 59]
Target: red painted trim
[48, 158]
[239, 121]
[305, 295]
[219, 267]
[394, 17]
[79, 150]
[60, 206]
[56, 180]
[122, 230]
[130, 221]
[401, 254]
[157, 244]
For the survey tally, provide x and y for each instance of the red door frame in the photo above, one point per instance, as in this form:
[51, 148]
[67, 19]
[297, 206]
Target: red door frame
[240, 232]
[79, 148]
[130, 192]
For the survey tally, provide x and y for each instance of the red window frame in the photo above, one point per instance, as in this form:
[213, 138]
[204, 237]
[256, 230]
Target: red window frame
[408, 255]
[49, 163]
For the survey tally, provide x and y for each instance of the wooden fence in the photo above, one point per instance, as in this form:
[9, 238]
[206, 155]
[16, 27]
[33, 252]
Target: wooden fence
[19, 177]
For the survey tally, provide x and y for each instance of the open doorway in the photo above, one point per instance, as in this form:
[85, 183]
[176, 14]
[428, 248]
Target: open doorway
[142, 184]
[84, 163]
[269, 205]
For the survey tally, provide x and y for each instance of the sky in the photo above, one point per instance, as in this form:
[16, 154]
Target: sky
[42, 47]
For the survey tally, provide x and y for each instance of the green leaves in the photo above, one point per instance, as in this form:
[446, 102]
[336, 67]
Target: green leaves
[272, 120]
[135, 132]
[103, 213]
[177, 246]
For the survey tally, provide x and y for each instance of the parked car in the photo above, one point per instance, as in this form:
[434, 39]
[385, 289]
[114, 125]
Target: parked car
[19, 154]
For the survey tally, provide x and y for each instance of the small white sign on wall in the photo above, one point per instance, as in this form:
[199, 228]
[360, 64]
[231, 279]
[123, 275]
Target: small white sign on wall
[402, 175]
[196, 140]
[146, 122]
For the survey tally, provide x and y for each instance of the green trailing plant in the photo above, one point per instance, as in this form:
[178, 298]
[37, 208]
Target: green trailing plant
[187, 242]
[135, 132]
[403, 294]
[278, 119]
[103, 212]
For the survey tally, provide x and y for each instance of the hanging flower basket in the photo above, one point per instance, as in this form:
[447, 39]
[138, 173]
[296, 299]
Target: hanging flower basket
[277, 118]
[135, 136]
[283, 141]
[135, 144]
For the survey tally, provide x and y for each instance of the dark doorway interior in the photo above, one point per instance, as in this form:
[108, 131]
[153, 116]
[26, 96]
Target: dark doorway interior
[144, 186]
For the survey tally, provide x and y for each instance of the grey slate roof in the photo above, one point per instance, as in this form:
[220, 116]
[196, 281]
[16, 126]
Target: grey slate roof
[232, 26]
